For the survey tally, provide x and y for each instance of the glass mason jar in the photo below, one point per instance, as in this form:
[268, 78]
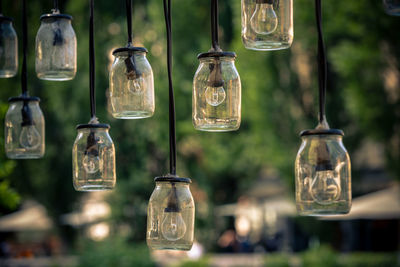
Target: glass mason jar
[267, 24]
[8, 48]
[24, 129]
[323, 174]
[131, 84]
[170, 215]
[216, 104]
[56, 48]
[392, 7]
[93, 158]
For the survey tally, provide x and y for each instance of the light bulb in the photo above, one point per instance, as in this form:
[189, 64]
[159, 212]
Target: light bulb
[91, 163]
[215, 95]
[325, 187]
[29, 137]
[264, 19]
[173, 226]
[136, 86]
[215, 92]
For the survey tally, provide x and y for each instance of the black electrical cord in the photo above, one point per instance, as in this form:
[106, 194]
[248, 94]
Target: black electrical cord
[55, 5]
[1, 7]
[322, 62]
[214, 25]
[129, 20]
[92, 63]
[172, 131]
[24, 74]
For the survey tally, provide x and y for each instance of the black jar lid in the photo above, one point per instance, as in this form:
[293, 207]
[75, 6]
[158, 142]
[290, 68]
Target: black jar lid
[172, 179]
[4, 18]
[217, 54]
[93, 126]
[55, 15]
[322, 132]
[23, 98]
[130, 49]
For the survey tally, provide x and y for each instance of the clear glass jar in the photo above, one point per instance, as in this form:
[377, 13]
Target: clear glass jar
[93, 158]
[170, 215]
[8, 48]
[216, 104]
[24, 129]
[323, 174]
[131, 84]
[392, 7]
[267, 24]
[56, 48]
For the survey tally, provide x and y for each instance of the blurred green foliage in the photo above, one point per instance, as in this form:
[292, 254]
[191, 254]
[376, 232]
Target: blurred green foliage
[325, 256]
[277, 260]
[278, 101]
[203, 262]
[115, 252]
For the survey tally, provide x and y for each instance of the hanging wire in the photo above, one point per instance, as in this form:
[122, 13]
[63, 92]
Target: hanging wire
[92, 63]
[55, 5]
[214, 25]
[172, 131]
[1, 7]
[24, 74]
[129, 20]
[322, 64]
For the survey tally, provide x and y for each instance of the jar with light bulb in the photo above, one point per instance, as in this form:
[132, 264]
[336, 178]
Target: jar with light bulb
[267, 24]
[93, 158]
[170, 215]
[322, 167]
[56, 47]
[216, 93]
[392, 7]
[24, 128]
[8, 48]
[93, 152]
[131, 92]
[323, 174]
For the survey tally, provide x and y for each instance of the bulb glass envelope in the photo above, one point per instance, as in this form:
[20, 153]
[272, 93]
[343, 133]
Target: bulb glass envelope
[170, 215]
[131, 93]
[56, 48]
[24, 128]
[93, 158]
[216, 103]
[323, 174]
[267, 24]
[8, 48]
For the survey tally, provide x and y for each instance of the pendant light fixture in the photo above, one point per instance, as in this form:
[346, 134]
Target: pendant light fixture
[24, 121]
[216, 104]
[322, 168]
[267, 24]
[392, 7]
[93, 153]
[131, 79]
[8, 46]
[56, 47]
[170, 213]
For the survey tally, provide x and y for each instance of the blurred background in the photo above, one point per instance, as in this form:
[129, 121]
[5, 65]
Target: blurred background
[243, 182]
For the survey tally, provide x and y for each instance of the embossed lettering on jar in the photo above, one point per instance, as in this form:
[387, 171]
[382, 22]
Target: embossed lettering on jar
[323, 175]
[170, 215]
[216, 93]
[56, 48]
[131, 93]
[93, 158]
